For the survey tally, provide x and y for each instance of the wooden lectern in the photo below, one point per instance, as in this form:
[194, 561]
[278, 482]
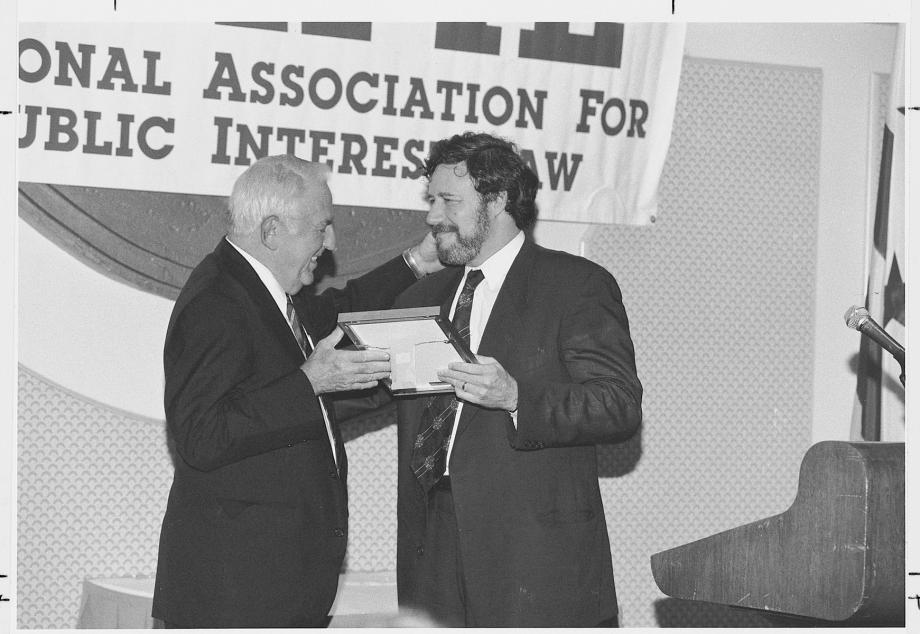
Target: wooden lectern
[837, 554]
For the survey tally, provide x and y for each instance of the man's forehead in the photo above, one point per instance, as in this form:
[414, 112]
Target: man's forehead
[321, 211]
[316, 206]
[450, 174]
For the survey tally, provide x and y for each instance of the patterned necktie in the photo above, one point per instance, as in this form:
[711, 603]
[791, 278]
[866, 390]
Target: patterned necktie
[294, 322]
[429, 456]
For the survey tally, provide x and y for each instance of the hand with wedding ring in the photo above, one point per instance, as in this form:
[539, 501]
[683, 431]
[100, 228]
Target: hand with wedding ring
[485, 383]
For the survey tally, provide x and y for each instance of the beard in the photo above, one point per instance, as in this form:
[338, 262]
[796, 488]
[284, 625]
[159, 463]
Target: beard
[463, 248]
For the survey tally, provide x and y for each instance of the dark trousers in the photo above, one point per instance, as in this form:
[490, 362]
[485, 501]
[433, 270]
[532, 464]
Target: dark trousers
[442, 596]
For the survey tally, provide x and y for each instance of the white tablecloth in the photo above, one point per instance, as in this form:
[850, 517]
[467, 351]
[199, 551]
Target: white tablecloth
[365, 599]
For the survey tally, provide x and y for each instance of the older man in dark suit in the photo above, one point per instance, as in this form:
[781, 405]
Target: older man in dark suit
[500, 519]
[256, 523]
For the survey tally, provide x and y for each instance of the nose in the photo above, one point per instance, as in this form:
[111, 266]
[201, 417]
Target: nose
[435, 214]
[329, 239]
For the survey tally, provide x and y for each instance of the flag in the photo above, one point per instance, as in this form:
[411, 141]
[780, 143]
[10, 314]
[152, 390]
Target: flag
[878, 412]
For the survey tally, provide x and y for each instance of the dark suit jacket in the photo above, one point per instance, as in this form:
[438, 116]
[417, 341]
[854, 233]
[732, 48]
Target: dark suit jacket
[533, 539]
[256, 523]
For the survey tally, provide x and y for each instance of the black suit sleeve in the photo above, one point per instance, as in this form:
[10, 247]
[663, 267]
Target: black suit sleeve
[600, 400]
[375, 290]
[218, 412]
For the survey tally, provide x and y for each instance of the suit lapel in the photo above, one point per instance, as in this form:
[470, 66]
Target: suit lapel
[275, 323]
[505, 320]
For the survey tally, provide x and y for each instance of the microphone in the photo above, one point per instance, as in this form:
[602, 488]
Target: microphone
[858, 318]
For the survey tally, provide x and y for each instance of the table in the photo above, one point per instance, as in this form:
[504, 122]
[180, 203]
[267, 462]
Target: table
[365, 599]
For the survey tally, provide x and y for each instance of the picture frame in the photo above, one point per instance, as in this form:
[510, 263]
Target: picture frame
[420, 342]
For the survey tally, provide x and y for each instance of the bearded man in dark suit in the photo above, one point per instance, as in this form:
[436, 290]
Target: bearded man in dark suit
[256, 523]
[500, 518]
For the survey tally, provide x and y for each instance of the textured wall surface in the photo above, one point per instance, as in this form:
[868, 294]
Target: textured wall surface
[719, 294]
[92, 491]
[728, 389]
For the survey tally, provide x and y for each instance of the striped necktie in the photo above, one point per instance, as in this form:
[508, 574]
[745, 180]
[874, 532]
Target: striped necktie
[294, 322]
[429, 455]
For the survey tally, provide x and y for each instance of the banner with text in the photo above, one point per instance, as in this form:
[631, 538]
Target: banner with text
[186, 107]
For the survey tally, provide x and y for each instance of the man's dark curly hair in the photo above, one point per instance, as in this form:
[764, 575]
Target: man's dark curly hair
[494, 166]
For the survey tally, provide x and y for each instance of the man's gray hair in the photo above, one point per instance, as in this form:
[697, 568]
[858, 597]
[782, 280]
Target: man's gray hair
[272, 186]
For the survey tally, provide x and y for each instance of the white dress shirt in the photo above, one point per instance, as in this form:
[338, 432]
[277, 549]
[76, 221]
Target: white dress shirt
[494, 271]
[277, 292]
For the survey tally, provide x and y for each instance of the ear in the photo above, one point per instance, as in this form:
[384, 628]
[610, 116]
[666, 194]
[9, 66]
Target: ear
[269, 230]
[497, 206]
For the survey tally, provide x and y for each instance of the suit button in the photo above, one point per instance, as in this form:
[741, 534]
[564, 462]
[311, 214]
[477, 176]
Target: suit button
[420, 551]
[338, 532]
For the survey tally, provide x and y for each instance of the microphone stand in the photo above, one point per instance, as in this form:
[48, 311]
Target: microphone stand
[900, 360]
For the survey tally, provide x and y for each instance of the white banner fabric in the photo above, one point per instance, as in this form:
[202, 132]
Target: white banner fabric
[186, 107]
